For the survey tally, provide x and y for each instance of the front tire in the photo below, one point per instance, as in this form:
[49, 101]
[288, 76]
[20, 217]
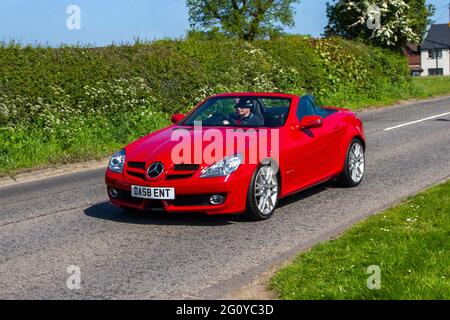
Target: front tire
[262, 196]
[354, 166]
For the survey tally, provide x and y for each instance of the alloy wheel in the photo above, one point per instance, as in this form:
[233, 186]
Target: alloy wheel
[266, 190]
[356, 162]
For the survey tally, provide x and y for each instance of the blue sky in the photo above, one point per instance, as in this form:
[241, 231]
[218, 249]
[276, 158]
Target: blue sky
[118, 21]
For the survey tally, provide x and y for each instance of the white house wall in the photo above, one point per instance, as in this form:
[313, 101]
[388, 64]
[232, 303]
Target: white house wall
[429, 63]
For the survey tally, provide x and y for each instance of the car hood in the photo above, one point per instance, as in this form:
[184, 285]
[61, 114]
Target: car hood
[164, 145]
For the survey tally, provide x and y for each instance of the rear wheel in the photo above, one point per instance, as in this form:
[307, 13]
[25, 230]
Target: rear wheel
[354, 167]
[262, 196]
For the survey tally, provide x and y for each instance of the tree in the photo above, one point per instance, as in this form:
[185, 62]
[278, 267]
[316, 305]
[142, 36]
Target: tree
[400, 21]
[244, 19]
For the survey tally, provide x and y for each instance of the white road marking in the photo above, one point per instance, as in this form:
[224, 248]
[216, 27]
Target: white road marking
[416, 121]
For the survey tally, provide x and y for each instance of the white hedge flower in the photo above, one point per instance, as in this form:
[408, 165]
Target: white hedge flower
[392, 28]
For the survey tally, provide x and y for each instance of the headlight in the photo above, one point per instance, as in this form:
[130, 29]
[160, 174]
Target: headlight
[223, 168]
[117, 162]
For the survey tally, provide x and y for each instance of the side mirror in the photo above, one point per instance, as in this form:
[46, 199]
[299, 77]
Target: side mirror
[177, 118]
[310, 122]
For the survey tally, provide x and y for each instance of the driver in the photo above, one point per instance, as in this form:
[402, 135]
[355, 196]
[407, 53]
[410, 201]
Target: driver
[244, 114]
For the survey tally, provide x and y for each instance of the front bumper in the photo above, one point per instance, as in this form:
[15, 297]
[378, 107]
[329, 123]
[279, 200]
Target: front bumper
[191, 193]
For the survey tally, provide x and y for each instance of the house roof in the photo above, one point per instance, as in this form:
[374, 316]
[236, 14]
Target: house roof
[412, 47]
[438, 37]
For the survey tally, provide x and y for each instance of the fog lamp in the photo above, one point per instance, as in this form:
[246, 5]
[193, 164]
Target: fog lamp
[113, 193]
[216, 199]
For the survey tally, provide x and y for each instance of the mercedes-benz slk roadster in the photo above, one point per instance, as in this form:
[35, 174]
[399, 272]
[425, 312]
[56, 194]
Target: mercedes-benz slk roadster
[238, 153]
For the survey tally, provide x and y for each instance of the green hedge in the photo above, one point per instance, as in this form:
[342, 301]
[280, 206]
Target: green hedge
[71, 103]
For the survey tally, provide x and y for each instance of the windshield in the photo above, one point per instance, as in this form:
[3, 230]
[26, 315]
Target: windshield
[241, 111]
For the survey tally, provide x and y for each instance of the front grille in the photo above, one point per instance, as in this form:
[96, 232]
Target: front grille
[136, 174]
[178, 176]
[137, 165]
[186, 167]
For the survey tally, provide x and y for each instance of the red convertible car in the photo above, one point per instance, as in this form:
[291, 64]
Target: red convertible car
[238, 153]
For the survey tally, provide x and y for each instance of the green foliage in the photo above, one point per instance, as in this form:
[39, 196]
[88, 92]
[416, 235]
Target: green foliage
[432, 86]
[421, 14]
[73, 103]
[243, 19]
[408, 242]
[341, 72]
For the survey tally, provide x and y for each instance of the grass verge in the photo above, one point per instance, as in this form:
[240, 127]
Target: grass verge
[432, 86]
[409, 243]
[33, 149]
[422, 88]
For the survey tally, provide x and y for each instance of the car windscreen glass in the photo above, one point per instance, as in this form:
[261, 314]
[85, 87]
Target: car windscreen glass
[242, 111]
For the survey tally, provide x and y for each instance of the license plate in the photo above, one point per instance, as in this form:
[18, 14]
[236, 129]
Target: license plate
[153, 193]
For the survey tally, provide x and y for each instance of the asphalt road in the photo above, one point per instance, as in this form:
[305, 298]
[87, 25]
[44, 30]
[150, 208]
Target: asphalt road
[47, 225]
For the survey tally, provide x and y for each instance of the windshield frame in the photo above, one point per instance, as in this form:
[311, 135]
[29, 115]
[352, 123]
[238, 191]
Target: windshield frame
[201, 108]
